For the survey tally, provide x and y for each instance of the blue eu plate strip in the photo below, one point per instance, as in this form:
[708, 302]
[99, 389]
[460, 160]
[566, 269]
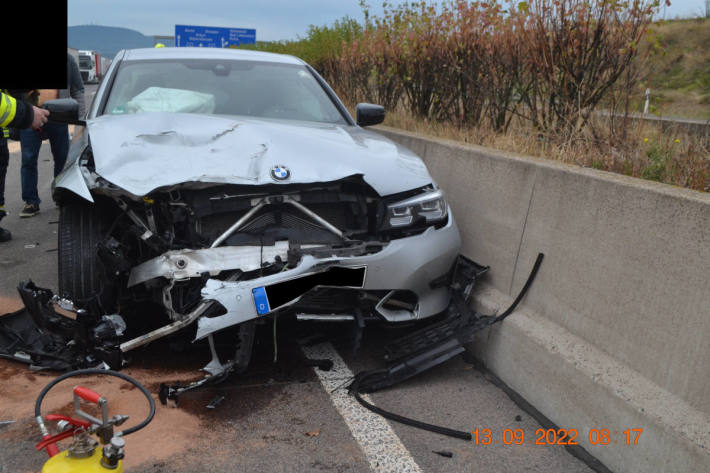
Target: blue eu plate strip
[261, 301]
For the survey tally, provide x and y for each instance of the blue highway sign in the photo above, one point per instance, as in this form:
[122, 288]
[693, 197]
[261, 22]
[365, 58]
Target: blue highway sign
[212, 37]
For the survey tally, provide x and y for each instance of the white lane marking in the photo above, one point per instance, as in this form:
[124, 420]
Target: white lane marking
[380, 444]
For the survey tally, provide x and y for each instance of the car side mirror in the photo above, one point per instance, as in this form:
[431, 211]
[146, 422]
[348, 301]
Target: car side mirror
[63, 111]
[369, 114]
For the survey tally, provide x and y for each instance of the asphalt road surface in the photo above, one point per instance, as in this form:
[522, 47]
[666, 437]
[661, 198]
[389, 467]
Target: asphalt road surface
[279, 416]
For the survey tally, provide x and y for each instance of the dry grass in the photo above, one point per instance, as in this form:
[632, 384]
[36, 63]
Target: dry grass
[674, 103]
[671, 156]
[679, 74]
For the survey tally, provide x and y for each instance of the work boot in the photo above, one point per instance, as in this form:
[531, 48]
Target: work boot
[30, 210]
[4, 234]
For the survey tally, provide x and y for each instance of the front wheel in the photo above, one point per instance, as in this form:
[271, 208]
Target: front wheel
[82, 277]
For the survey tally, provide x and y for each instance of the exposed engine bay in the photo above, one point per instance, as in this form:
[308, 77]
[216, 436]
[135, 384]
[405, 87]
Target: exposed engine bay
[228, 256]
[179, 247]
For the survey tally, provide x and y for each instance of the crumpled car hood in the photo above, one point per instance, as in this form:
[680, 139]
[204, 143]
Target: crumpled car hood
[143, 152]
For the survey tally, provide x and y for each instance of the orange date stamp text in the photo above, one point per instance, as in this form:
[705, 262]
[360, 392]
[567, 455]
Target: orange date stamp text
[564, 437]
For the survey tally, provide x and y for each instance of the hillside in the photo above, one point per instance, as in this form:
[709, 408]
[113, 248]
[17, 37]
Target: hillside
[680, 81]
[107, 40]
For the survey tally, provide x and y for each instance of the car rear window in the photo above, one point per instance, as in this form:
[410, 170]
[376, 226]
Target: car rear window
[249, 88]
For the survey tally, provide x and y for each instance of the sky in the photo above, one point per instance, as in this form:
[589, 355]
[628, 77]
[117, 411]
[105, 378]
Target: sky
[272, 19]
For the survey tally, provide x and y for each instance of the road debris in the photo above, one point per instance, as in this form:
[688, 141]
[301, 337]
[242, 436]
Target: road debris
[313, 433]
[435, 344]
[444, 453]
[215, 402]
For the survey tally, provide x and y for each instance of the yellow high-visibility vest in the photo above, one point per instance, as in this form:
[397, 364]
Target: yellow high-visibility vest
[8, 109]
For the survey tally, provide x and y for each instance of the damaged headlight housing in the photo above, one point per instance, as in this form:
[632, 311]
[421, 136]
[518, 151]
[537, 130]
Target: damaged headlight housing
[429, 207]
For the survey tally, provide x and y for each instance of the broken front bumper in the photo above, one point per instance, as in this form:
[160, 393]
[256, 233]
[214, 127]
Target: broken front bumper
[413, 264]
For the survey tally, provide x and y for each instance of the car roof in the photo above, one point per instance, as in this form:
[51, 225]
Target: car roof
[208, 53]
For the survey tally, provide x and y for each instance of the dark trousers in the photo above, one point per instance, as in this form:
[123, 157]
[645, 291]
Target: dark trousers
[31, 141]
[4, 160]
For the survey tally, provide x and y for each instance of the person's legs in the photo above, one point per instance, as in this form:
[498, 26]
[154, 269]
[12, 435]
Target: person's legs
[30, 142]
[4, 159]
[58, 135]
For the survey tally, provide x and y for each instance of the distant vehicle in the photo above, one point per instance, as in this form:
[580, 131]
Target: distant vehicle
[87, 66]
[92, 66]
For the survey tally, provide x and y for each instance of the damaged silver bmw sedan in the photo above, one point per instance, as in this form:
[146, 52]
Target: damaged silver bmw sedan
[223, 187]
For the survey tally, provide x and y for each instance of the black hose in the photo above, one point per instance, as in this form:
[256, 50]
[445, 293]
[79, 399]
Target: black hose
[90, 371]
[524, 290]
[401, 419]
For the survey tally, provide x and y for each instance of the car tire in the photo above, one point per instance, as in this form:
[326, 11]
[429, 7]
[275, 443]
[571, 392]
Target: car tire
[81, 275]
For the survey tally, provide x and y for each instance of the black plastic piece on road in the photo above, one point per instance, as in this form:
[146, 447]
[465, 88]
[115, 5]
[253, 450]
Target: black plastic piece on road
[362, 377]
[436, 343]
[38, 332]
[40, 336]
[216, 401]
[444, 453]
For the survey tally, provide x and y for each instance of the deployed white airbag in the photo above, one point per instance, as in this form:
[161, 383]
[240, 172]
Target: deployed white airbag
[159, 99]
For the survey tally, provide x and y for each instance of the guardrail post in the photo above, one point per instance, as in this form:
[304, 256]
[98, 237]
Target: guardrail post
[648, 96]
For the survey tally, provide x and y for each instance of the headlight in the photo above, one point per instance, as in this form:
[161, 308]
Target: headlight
[429, 205]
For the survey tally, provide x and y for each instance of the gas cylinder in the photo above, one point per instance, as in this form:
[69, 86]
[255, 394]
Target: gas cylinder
[63, 462]
[95, 446]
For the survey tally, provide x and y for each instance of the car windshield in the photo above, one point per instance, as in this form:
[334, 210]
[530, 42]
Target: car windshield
[249, 88]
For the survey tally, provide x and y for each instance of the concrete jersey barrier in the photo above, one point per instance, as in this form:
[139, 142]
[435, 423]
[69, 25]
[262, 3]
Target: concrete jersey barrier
[615, 332]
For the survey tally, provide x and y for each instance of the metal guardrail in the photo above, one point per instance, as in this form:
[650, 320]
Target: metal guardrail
[699, 127]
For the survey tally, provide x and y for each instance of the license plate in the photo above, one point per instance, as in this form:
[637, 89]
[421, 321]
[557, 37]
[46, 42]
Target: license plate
[260, 300]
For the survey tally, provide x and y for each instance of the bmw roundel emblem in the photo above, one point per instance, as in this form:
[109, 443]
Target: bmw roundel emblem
[280, 172]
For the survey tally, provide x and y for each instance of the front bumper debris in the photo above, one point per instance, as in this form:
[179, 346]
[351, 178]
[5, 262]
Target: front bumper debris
[45, 338]
[435, 344]
[438, 342]
[415, 353]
